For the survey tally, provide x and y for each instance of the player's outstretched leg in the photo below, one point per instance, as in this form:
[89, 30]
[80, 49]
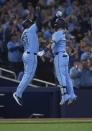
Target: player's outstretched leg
[72, 100]
[65, 96]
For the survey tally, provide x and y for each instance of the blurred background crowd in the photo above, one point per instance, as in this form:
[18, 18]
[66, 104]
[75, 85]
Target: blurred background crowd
[78, 16]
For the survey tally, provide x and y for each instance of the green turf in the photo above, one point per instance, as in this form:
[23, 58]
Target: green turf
[46, 125]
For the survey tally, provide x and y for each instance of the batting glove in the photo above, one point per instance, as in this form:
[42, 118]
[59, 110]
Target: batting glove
[41, 53]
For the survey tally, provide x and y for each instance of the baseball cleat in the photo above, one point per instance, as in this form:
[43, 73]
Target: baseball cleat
[18, 99]
[72, 100]
[64, 99]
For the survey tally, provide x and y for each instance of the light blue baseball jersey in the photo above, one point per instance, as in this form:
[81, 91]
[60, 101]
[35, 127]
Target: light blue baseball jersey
[29, 39]
[61, 60]
[60, 41]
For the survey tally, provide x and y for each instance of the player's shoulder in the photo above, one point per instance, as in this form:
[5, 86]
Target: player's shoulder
[61, 32]
[32, 27]
[54, 36]
[58, 33]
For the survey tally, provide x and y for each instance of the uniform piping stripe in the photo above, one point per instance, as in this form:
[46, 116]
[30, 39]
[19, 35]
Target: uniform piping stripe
[33, 65]
[60, 74]
[59, 69]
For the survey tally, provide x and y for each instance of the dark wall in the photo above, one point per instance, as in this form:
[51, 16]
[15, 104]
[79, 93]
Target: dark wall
[40, 100]
[82, 107]
[43, 100]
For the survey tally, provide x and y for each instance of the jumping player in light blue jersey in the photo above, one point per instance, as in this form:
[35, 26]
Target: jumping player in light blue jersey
[29, 40]
[61, 60]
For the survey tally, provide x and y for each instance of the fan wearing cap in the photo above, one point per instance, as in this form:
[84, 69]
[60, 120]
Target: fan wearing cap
[29, 40]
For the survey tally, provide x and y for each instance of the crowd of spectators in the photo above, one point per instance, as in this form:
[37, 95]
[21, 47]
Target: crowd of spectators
[78, 16]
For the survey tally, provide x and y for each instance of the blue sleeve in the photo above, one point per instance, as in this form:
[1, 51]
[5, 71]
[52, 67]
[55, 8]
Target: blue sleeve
[72, 71]
[33, 28]
[52, 45]
[84, 56]
[54, 39]
[11, 46]
[38, 21]
[38, 24]
[58, 37]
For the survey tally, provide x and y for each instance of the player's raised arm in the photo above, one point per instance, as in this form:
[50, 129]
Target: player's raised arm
[53, 19]
[36, 23]
[38, 18]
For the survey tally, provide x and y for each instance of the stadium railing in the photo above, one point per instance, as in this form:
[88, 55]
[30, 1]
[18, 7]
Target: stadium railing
[8, 72]
[14, 78]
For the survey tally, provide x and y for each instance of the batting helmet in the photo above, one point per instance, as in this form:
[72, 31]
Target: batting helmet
[59, 23]
[26, 23]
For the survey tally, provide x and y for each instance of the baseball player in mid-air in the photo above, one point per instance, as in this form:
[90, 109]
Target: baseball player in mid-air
[61, 60]
[29, 40]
